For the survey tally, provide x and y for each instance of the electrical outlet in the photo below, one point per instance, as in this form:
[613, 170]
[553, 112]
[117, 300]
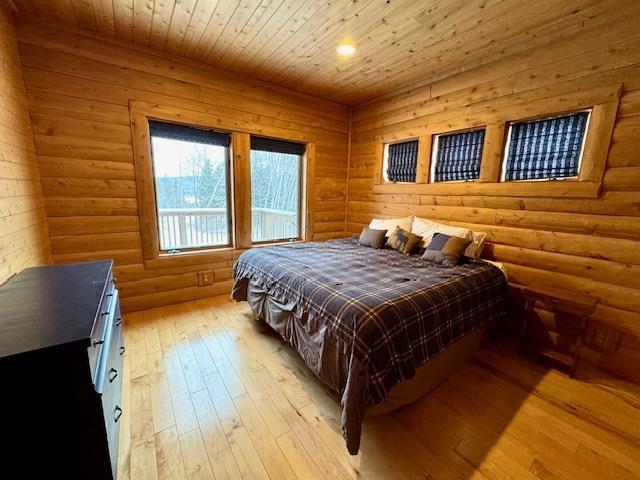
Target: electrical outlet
[205, 278]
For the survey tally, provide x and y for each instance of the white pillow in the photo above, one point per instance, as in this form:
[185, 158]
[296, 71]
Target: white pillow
[390, 224]
[427, 229]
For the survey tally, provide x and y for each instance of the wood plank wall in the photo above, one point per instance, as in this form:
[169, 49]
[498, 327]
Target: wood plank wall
[79, 89]
[23, 228]
[585, 245]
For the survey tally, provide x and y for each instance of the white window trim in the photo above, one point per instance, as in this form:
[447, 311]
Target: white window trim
[385, 163]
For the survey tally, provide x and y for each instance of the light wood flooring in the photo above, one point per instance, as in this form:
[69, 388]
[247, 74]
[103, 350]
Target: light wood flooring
[208, 393]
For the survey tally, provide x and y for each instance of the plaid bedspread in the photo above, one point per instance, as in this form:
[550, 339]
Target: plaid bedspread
[391, 312]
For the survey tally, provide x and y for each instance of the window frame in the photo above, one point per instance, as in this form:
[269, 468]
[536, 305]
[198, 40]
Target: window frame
[434, 155]
[240, 202]
[424, 143]
[301, 204]
[229, 194]
[509, 128]
[602, 101]
[385, 160]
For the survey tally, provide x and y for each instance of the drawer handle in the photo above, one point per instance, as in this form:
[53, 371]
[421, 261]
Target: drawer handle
[109, 294]
[97, 342]
[117, 413]
[113, 373]
[119, 321]
[121, 350]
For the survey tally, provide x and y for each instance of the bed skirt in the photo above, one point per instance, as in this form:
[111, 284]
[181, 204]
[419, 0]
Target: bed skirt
[323, 354]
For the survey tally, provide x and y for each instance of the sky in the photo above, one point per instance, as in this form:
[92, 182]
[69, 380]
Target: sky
[169, 155]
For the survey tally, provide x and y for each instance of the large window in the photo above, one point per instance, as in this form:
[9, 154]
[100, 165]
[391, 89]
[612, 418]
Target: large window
[276, 189]
[545, 149]
[457, 156]
[191, 175]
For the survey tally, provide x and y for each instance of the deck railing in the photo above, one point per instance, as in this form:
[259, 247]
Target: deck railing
[269, 224]
[195, 227]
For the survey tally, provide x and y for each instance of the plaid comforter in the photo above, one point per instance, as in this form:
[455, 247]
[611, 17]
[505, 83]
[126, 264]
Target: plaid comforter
[390, 312]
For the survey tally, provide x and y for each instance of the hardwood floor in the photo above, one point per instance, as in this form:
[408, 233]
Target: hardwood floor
[209, 393]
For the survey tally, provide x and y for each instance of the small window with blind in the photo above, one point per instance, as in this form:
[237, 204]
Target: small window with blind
[545, 149]
[191, 176]
[457, 156]
[276, 189]
[400, 162]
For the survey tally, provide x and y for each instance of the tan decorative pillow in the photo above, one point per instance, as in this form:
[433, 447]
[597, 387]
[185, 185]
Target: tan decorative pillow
[445, 249]
[474, 250]
[427, 229]
[404, 241]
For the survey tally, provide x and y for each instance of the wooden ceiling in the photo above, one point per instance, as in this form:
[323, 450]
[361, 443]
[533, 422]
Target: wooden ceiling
[292, 42]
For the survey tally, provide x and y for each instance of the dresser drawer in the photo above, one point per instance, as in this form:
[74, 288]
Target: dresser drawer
[104, 319]
[112, 414]
[112, 384]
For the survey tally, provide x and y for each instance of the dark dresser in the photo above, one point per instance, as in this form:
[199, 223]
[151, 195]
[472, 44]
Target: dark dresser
[61, 353]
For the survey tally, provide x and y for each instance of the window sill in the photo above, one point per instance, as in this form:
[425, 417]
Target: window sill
[387, 182]
[276, 243]
[454, 182]
[192, 257]
[520, 188]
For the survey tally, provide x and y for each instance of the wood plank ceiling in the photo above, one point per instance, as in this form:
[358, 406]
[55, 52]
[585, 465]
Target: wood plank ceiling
[292, 42]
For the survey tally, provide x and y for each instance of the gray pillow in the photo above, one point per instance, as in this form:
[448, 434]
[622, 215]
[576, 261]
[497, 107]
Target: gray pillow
[445, 249]
[372, 238]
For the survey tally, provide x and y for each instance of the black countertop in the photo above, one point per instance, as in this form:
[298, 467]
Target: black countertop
[42, 307]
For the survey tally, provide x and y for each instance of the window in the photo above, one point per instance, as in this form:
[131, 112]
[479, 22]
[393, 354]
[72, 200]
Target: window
[191, 177]
[400, 161]
[457, 156]
[545, 149]
[563, 137]
[276, 189]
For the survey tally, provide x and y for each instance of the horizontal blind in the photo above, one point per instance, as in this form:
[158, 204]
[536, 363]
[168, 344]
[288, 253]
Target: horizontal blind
[458, 156]
[188, 133]
[547, 148]
[402, 161]
[265, 144]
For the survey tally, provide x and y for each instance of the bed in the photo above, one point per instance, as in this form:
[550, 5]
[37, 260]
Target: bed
[378, 327]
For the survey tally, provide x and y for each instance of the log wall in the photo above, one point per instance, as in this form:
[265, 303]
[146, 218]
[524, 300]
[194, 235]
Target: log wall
[589, 246]
[23, 227]
[80, 89]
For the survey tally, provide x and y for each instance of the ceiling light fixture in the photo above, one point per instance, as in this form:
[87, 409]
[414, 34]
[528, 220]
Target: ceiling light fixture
[345, 49]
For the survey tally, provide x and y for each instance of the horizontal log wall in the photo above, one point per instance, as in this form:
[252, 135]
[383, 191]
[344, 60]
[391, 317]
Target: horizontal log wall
[590, 246]
[79, 91]
[23, 228]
